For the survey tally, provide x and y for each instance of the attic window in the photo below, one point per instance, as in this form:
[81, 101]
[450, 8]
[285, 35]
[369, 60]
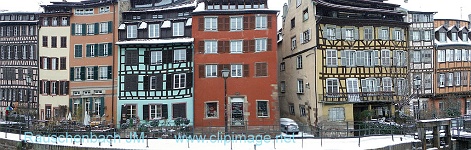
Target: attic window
[136, 17]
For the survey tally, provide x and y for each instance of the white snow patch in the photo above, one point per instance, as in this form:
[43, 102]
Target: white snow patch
[166, 24]
[188, 22]
[143, 25]
[122, 26]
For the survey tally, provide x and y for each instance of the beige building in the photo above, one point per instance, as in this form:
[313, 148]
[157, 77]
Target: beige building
[296, 54]
[54, 47]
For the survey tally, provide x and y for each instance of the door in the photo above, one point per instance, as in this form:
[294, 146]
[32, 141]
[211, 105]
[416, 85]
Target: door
[237, 111]
[352, 90]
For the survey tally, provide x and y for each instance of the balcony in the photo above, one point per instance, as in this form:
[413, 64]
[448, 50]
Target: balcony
[357, 97]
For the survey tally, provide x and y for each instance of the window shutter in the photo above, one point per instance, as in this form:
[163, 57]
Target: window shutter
[201, 47]
[227, 47]
[72, 28]
[189, 80]
[395, 58]
[246, 70]
[301, 38]
[201, 71]
[401, 35]
[310, 34]
[268, 44]
[227, 23]
[110, 28]
[100, 50]
[84, 29]
[258, 69]
[71, 106]
[344, 33]
[59, 87]
[146, 83]
[324, 32]
[221, 47]
[97, 28]
[219, 68]
[189, 55]
[48, 87]
[110, 72]
[169, 81]
[338, 33]
[72, 77]
[269, 22]
[102, 106]
[363, 85]
[90, 106]
[246, 23]
[145, 113]
[95, 72]
[221, 26]
[164, 111]
[110, 49]
[251, 45]
[147, 55]
[95, 49]
[376, 57]
[82, 73]
[88, 50]
[379, 34]
[343, 58]
[245, 46]
[355, 33]
[377, 82]
[201, 24]
[41, 62]
[49, 64]
[158, 82]
[57, 63]
[388, 34]
[41, 87]
[66, 89]
[360, 58]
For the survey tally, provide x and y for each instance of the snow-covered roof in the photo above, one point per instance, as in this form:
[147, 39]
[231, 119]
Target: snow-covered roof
[143, 25]
[186, 5]
[33, 21]
[188, 22]
[122, 26]
[452, 43]
[157, 41]
[438, 28]
[166, 24]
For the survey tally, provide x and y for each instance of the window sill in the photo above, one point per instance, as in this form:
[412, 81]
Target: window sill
[210, 77]
[260, 28]
[210, 118]
[263, 116]
[300, 93]
[210, 30]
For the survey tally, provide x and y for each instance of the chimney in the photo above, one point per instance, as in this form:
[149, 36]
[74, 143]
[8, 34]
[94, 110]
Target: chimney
[285, 10]
[64, 0]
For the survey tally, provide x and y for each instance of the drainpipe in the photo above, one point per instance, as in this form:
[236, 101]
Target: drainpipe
[114, 54]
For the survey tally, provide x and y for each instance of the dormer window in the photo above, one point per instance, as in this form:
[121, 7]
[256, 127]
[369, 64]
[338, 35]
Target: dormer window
[442, 36]
[465, 37]
[454, 37]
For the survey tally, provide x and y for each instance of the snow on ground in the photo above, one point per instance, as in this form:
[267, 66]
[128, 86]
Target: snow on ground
[214, 144]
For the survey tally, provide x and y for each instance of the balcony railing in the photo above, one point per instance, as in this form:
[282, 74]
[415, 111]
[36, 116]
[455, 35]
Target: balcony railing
[357, 97]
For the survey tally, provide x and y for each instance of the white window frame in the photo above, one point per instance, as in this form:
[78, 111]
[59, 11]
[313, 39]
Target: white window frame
[331, 58]
[416, 55]
[442, 36]
[104, 27]
[53, 63]
[215, 114]
[97, 106]
[449, 55]
[349, 34]
[155, 57]
[398, 35]
[236, 46]
[210, 23]
[337, 114]
[441, 80]
[64, 21]
[179, 81]
[90, 73]
[78, 29]
[400, 83]
[154, 30]
[348, 58]
[260, 44]
[441, 55]
[237, 70]
[300, 86]
[54, 21]
[178, 28]
[53, 87]
[457, 54]
[454, 36]
[464, 37]
[211, 71]
[261, 22]
[77, 75]
[370, 85]
[265, 114]
[236, 23]
[179, 55]
[387, 84]
[293, 43]
[210, 47]
[384, 33]
[415, 35]
[464, 55]
[450, 79]
[131, 31]
[90, 29]
[299, 62]
[457, 78]
[331, 33]
[102, 72]
[427, 35]
[45, 65]
[334, 87]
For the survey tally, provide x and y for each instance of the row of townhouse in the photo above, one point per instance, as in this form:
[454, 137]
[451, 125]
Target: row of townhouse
[212, 62]
[341, 62]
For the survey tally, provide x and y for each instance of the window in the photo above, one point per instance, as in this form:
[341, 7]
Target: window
[236, 46]
[236, 23]
[132, 31]
[179, 55]
[78, 29]
[45, 63]
[331, 58]
[210, 23]
[154, 30]
[53, 87]
[349, 34]
[104, 9]
[293, 23]
[415, 35]
[385, 58]
[331, 33]
[90, 73]
[400, 86]
[77, 74]
[236, 70]
[97, 107]
[416, 56]
[282, 66]
[449, 55]
[45, 87]
[427, 56]
[384, 33]
[54, 21]
[399, 58]
[64, 21]
[90, 28]
[261, 22]
[441, 106]
[260, 45]
[442, 36]
[299, 62]
[457, 55]
[291, 109]
[156, 57]
[78, 51]
[298, 3]
[45, 41]
[45, 21]
[262, 108]
[464, 78]
[103, 27]
[464, 55]
[91, 50]
[54, 41]
[332, 85]
[441, 55]
[397, 35]
[371, 58]
[387, 84]
[53, 63]
[465, 37]
[210, 46]
[305, 37]
[370, 85]
[179, 81]
[441, 80]
[302, 110]
[293, 43]
[427, 35]
[103, 72]
[178, 29]
[282, 86]
[336, 114]
[211, 70]
[261, 69]
[454, 37]
[179, 110]
[457, 78]
[300, 88]
[449, 80]
[130, 111]
[136, 17]
[348, 58]
[305, 15]
[63, 42]
[211, 109]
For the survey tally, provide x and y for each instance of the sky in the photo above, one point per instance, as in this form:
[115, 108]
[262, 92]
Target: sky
[447, 9]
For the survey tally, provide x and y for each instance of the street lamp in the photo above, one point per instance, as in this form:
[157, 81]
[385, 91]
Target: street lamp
[28, 82]
[417, 82]
[225, 75]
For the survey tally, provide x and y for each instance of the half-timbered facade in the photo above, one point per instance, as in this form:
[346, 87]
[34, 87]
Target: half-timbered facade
[452, 69]
[240, 37]
[421, 31]
[361, 59]
[19, 61]
[156, 61]
[54, 50]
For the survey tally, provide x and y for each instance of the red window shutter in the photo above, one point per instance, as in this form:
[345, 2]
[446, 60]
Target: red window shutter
[41, 62]
[269, 22]
[252, 22]
[246, 23]
[57, 63]
[221, 47]
[269, 45]
[201, 47]
[221, 24]
[245, 48]
[227, 24]
[264, 70]
[49, 65]
[246, 70]
[227, 47]
[220, 67]
[201, 71]
[252, 46]
[201, 24]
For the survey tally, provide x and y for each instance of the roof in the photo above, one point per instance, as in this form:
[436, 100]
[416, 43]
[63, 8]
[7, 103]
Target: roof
[338, 6]
[166, 7]
[156, 41]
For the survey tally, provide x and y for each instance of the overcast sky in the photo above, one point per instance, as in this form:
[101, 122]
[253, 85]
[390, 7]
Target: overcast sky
[447, 9]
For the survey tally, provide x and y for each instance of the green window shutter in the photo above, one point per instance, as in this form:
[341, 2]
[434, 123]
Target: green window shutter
[80, 104]
[164, 111]
[90, 106]
[80, 51]
[71, 106]
[88, 50]
[110, 72]
[95, 49]
[72, 28]
[100, 49]
[84, 29]
[110, 26]
[95, 73]
[82, 73]
[102, 106]
[72, 73]
[110, 49]
[76, 52]
[97, 28]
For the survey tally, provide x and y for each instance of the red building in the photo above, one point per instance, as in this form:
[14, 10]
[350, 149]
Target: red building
[241, 37]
